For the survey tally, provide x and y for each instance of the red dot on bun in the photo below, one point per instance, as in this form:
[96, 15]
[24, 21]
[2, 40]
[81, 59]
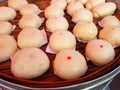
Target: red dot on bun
[61, 33]
[101, 46]
[69, 57]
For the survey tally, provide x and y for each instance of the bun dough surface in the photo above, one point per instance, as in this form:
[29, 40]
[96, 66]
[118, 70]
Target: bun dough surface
[60, 3]
[73, 6]
[29, 63]
[69, 1]
[69, 64]
[30, 9]
[17, 4]
[109, 21]
[104, 9]
[85, 31]
[61, 40]
[82, 14]
[30, 37]
[99, 52]
[92, 3]
[57, 23]
[30, 20]
[82, 1]
[7, 13]
[8, 46]
[5, 27]
[111, 34]
[53, 11]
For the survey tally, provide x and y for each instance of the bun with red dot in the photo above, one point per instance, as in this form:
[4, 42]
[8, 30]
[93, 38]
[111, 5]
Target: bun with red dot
[70, 64]
[99, 52]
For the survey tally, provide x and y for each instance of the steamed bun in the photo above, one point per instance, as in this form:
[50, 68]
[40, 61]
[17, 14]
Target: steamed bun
[29, 63]
[7, 13]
